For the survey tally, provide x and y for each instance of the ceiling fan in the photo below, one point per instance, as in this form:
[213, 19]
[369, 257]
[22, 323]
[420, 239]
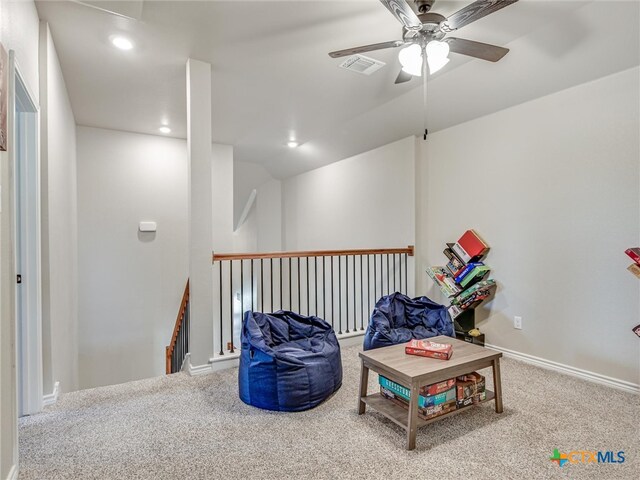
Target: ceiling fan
[423, 35]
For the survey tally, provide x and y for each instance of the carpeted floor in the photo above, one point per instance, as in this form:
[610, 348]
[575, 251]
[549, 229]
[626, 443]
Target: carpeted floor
[178, 427]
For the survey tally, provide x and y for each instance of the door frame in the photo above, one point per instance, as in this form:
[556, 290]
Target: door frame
[28, 349]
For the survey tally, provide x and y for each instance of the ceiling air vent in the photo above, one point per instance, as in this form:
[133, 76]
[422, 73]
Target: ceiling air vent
[362, 64]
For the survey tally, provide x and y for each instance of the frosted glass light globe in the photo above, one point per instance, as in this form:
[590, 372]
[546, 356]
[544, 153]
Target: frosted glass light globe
[411, 60]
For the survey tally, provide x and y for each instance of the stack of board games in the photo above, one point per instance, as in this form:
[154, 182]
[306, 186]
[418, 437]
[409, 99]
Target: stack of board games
[464, 281]
[470, 389]
[438, 398]
[434, 400]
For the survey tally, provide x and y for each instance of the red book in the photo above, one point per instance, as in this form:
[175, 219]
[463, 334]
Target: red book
[473, 245]
[427, 348]
[634, 253]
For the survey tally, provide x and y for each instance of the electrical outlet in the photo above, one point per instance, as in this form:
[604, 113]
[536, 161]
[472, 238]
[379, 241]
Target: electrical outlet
[517, 323]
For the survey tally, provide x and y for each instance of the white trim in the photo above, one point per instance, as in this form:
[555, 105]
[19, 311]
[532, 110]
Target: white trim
[216, 363]
[350, 339]
[13, 473]
[569, 370]
[52, 397]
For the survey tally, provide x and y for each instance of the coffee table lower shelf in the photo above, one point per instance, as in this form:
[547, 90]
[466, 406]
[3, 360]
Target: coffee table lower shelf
[400, 415]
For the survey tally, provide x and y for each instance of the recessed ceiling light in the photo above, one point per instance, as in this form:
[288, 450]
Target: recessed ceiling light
[122, 43]
[292, 144]
[165, 129]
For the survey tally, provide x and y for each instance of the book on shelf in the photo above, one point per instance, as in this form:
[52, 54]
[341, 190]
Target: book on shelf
[454, 311]
[460, 253]
[450, 248]
[472, 244]
[635, 269]
[454, 265]
[479, 291]
[444, 280]
[478, 273]
[467, 270]
[634, 254]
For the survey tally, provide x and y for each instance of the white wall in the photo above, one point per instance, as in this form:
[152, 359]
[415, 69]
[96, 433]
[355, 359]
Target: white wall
[366, 201]
[59, 224]
[130, 283]
[129, 294]
[262, 229]
[222, 197]
[553, 186]
[19, 32]
[247, 176]
[269, 216]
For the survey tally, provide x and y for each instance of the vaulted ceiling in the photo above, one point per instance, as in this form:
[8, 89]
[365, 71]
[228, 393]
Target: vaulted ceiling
[272, 77]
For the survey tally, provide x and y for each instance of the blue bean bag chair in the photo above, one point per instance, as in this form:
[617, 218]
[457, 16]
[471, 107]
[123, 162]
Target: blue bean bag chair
[288, 362]
[397, 318]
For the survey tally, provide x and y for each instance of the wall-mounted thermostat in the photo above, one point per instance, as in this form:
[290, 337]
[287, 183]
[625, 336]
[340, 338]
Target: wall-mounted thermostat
[148, 226]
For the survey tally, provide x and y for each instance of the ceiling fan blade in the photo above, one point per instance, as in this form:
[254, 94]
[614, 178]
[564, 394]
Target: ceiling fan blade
[473, 12]
[403, 12]
[366, 48]
[403, 77]
[492, 53]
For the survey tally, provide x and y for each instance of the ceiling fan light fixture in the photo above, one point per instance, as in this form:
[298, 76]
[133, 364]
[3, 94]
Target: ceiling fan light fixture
[437, 55]
[120, 42]
[411, 60]
[436, 64]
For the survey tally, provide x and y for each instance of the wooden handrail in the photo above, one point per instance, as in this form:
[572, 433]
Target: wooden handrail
[176, 328]
[216, 257]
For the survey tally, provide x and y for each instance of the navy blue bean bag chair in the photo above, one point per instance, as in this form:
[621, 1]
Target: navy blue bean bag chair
[397, 318]
[288, 362]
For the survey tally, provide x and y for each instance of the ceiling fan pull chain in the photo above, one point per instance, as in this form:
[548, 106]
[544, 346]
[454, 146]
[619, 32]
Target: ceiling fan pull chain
[424, 89]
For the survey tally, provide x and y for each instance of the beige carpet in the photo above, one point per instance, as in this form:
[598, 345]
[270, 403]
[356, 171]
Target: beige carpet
[196, 427]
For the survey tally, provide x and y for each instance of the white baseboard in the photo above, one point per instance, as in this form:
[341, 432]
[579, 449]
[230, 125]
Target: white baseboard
[215, 364]
[569, 370]
[351, 339]
[52, 397]
[13, 473]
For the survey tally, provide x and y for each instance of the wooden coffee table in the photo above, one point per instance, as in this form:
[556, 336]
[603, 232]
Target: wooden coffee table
[414, 372]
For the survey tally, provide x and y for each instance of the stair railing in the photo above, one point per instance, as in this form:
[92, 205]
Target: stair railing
[341, 286]
[178, 346]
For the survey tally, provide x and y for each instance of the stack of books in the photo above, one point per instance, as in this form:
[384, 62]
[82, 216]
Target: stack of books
[464, 280]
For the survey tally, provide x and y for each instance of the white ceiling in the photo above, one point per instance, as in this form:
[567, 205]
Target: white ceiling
[272, 76]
